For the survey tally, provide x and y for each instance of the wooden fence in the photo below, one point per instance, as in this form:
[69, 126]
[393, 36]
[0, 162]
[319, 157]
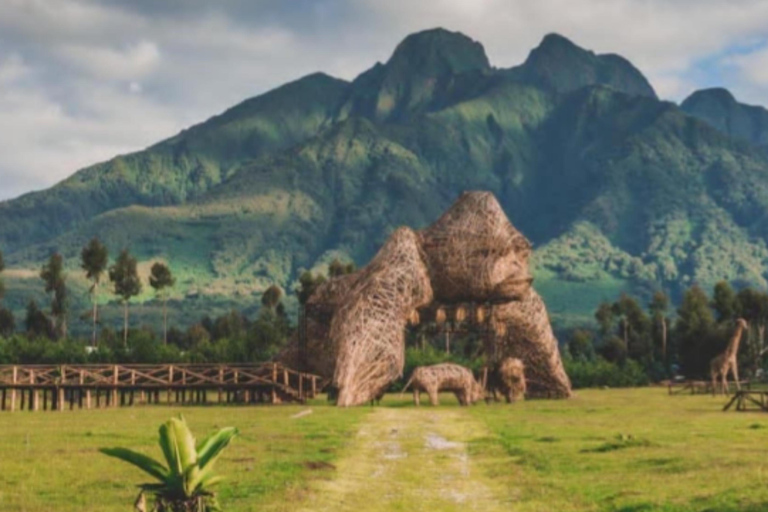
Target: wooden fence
[36, 387]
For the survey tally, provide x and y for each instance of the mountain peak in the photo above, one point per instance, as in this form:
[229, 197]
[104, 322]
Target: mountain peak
[555, 41]
[718, 94]
[438, 51]
[719, 108]
[421, 73]
[560, 65]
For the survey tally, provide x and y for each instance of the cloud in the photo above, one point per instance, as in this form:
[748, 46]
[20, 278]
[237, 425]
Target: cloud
[131, 62]
[83, 80]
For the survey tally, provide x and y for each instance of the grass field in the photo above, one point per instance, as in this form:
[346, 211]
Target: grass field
[605, 450]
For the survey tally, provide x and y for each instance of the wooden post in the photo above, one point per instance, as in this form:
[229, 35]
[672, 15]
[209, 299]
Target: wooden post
[170, 383]
[301, 385]
[34, 398]
[60, 398]
[314, 386]
[115, 378]
[13, 389]
[221, 380]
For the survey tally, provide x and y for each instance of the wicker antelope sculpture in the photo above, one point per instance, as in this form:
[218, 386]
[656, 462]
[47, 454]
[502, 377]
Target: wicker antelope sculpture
[355, 324]
[445, 377]
[727, 362]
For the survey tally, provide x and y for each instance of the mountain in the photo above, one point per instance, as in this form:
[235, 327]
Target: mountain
[617, 190]
[720, 109]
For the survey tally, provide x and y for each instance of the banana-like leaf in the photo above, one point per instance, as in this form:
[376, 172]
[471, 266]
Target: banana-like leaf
[211, 448]
[141, 461]
[178, 445]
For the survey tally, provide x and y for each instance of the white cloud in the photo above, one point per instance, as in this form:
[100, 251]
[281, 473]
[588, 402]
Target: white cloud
[83, 80]
[134, 61]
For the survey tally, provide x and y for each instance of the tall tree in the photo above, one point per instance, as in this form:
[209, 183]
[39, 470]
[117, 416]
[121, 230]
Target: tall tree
[336, 268]
[53, 275]
[605, 318]
[2, 267]
[694, 329]
[125, 278]
[93, 259]
[308, 283]
[7, 322]
[160, 279]
[753, 307]
[724, 302]
[36, 322]
[658, 307]
[271, 297]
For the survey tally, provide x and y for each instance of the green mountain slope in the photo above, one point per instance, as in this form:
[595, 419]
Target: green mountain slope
[617, 190]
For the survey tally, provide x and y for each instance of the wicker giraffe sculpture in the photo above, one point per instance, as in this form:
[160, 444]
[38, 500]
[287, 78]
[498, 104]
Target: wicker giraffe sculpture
[727, 362]
[355, 324]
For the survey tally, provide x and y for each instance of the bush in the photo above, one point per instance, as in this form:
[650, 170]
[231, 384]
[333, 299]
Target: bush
[600, 373]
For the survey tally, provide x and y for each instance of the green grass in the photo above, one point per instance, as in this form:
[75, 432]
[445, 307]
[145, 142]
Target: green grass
[49, 461]
[622, 450]
[627, 450]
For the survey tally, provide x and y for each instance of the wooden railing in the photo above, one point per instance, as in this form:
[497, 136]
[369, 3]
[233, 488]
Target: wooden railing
[268, 382]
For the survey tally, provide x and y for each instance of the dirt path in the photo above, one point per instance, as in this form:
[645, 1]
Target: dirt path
[409, 459]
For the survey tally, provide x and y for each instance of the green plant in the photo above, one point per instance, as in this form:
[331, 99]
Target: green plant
[185, 484]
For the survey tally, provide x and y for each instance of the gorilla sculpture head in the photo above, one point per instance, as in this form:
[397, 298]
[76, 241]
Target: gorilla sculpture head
[474, 254]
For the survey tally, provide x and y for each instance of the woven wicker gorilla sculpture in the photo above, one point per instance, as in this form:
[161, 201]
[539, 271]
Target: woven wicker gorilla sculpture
[472, 254]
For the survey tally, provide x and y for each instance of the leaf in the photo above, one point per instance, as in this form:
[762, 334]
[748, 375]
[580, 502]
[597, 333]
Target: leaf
[178, 445]
[141, 461]
[209, 450]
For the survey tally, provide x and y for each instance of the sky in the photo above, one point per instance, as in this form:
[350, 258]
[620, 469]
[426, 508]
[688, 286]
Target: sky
[84, 80]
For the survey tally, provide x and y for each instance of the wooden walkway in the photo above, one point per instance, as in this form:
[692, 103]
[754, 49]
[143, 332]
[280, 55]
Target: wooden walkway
[56, 387]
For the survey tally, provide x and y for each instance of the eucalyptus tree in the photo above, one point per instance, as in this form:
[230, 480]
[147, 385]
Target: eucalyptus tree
[160, 279]
[93, 260]
[53, 275]
[124, 276]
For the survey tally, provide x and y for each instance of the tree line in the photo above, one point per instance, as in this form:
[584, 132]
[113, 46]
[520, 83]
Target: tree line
[230, 337]
[652, 343]
[122, 274]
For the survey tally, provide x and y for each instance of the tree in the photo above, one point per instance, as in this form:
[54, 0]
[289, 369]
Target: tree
[271, 297]
[694, 329]
[605, 318]
[724, 302]
[160, 279]
[53, 275]
[658, 307]
[614, 350]
[7, 323]
[2, 267]
[336, 268]
[308, 283]
[93, 259]
[125, 278]
[184, 485]
[36, 323]
[581, 346]
[753, 307]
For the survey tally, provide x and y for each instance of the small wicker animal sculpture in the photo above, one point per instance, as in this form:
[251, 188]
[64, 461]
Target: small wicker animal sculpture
[727, 362]
[507, 378]
[445, 377]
